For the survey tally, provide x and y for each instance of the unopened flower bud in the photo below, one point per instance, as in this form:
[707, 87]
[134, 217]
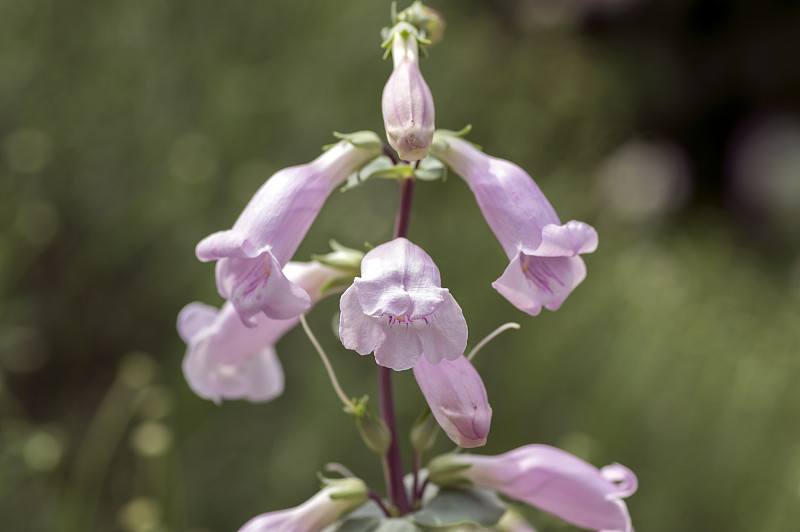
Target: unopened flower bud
[457, 397]
[374, 433]
[408, 114]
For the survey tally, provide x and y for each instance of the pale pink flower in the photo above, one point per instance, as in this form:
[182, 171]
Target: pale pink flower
[252, 254]
[550, 479]
[544, 253]
[399, 310]
[457, 398]
[407, 103]
[226, 359]
[323, 509]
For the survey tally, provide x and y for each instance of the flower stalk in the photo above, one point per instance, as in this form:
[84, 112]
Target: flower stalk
[393, 464]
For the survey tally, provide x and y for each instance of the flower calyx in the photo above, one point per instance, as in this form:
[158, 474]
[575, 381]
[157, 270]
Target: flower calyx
[372, 430]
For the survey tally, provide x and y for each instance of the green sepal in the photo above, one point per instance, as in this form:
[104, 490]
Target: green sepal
[336, 285]
[374, 168]
[431, 169]
[370, 427]
[424, 431]
[439, 143]
[368, 140]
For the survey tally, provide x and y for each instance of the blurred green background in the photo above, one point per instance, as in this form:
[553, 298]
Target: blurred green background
[129, 130]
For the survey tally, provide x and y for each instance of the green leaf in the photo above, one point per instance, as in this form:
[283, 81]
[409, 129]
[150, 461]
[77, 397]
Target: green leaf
[460, 507]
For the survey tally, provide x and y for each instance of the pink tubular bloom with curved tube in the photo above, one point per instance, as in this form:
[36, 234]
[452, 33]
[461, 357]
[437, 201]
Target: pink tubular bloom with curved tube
[457, 398]
[226, 359]
[399, 310]
[252, 254]
[407, 103]
[551, 479]
[544, 253]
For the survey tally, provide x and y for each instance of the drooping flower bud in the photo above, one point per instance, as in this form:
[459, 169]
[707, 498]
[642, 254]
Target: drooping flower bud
[337, 499]
[457, 398]
[252, 254]
[399, 310]
[547, 478]
[227, 360]
[408, 114]
[545, 263]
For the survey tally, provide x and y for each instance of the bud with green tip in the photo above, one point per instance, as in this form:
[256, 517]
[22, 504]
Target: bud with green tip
[338, 498]
[408, 113]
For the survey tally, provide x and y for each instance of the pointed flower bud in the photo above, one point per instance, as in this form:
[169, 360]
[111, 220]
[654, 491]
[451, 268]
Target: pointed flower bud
[407, 103]
[373, 432]
[398, 309]
[457, 398]
[338, 498]
[227, 360]
[547, 478]
[545, 264]
[252, 254]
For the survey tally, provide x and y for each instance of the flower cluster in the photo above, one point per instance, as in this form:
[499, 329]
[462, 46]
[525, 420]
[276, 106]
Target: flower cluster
[393, 305]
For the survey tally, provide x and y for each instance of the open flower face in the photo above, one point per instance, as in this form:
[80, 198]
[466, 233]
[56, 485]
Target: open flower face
[226, 359]
[407, 103]
[545, 265]
[252, 254]
[399, 310]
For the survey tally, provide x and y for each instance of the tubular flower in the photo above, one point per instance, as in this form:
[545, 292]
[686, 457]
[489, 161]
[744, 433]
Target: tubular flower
[227, 360]
[545, 264]
[325, 508]
[252, 254]
[408, 114]
[457, 398]
[398, 309]
[550, 479]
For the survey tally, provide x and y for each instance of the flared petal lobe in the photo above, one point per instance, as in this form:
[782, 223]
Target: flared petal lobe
[545, 266]
[457, 398]
[407, 103]
[226, 359]
[252, 254]
[320, 511]
[554, 481]
[398, 309]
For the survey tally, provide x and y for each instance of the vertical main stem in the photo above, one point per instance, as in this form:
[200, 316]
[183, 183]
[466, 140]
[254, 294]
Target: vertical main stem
[393, 461]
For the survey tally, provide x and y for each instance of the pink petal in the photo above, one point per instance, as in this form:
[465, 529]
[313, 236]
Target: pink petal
[357, 331]
[567, 240]
[194, 318]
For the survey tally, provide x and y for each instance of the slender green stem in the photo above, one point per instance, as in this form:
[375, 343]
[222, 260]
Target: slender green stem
[491, 336]
[331, 374]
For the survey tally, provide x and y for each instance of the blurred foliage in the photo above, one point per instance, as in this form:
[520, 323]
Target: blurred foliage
[129, 130]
